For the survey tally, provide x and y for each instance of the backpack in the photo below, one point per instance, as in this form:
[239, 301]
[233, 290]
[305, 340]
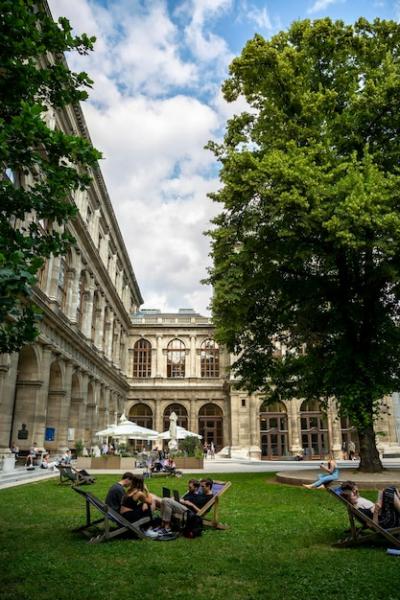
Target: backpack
[192, 525]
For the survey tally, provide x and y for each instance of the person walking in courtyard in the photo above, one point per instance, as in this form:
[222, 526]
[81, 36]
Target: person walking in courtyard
[212, 450]
[330, 473]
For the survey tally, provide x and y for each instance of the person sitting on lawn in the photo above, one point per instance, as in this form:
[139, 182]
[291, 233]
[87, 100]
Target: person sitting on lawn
[170, 465]
[192, 500]
[331, 474]
[117, 491]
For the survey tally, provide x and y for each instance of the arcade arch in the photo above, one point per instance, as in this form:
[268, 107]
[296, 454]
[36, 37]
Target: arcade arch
[273, 430]
[211, 425]
[314, 430]
[180, 412]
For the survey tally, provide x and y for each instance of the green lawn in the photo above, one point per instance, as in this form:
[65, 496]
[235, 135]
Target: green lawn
[278, 546]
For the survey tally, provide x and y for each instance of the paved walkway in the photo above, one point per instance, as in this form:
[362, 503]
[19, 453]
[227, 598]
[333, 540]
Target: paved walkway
[291, 472]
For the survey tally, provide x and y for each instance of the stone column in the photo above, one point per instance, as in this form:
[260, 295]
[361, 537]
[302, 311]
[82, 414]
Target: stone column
[235, 420]
[63, 417]
[41, 398]
[192, 357]
[334, 430]
[112, 264]
[88, 310]
[161, 367]
[8, 376]
[255, 450]
[109, 335]
[94, 229]
[193, 418]
[73, 291]
[294, 430]
[116, 343]
[158, 415]
[54, 272]
[99, 323]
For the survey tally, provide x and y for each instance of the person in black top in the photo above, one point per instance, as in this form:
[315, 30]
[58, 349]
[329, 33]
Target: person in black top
[192, 500]
[117, 491]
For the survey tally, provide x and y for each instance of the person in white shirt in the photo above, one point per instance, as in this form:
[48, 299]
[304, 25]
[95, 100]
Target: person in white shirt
[385, 511]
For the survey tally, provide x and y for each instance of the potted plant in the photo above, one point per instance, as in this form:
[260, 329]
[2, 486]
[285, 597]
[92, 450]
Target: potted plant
[192, 457]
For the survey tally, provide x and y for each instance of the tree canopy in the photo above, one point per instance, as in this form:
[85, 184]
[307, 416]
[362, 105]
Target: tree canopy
[306, 250]
[41, 166]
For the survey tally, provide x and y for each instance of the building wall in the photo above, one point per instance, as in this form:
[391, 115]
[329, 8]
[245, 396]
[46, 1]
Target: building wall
[249, 429]
[72, 380]
[193, 392]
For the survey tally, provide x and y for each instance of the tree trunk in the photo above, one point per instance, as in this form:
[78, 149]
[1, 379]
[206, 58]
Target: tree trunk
[369, 455]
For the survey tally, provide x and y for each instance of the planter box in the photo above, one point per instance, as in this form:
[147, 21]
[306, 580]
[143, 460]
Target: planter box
[106, 462]
[127, 463]
[189, 462]
[83, 462]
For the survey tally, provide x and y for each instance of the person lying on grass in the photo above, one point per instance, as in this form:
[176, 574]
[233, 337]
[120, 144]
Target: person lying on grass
[385, 511]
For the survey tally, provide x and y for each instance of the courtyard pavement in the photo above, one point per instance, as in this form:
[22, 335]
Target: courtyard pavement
[289, 472]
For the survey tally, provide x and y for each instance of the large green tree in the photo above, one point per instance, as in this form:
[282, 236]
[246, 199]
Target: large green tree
[40, 167]
[306, 249]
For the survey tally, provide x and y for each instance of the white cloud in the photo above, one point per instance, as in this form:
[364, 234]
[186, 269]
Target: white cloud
[205, 45]
[320, 5]
[259, 16]
[143, 116]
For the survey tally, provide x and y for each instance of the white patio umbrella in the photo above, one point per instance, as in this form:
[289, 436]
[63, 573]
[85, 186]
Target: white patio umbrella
[181, 434]
[128, 429]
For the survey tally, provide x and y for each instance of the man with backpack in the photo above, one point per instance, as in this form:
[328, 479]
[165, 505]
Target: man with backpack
[193, 501]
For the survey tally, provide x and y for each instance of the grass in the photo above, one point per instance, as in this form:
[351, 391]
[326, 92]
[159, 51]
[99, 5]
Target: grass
[278, 546]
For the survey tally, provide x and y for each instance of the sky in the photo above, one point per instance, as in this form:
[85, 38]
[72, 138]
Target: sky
[158, 67]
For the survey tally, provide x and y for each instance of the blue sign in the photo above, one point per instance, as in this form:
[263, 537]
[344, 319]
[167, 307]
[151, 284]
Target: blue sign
[50, 434]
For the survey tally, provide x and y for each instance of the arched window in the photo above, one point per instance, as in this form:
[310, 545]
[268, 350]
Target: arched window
[176, 358]
[180, 412]
[142, 415]
[209, 359]
[142, 359]
[211, 425]
[314, 430]
[273, 430]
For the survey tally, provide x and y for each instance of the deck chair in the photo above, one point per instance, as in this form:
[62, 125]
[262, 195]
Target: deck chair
[219, 488]
[108, 517]
[367, 531]
[69, 474]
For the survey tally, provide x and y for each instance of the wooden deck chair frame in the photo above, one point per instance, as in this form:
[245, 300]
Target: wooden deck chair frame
[68, 474]
[213, 506]
[369, 531]
[109, 517]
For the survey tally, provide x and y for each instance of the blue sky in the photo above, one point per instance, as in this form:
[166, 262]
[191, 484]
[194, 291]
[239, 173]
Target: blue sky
[158, 67]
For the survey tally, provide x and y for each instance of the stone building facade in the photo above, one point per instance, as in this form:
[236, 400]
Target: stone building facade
[72, 380]
[98, 355]
[175, 364]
